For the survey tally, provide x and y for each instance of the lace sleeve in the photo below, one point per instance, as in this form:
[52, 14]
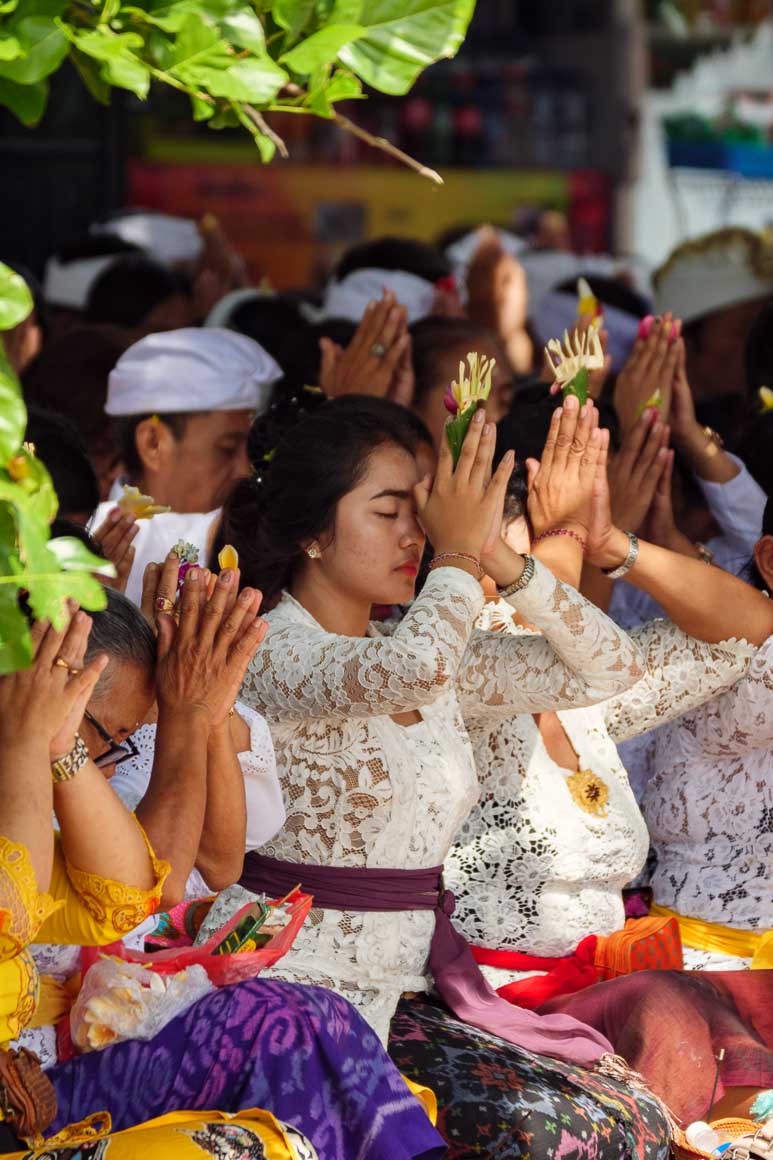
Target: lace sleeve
[22, 909]
[97, 910]
[741, 719]
[582, 658]
[681, 674]
[301, 671]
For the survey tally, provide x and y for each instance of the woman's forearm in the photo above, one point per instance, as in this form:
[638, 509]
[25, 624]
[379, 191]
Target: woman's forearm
[99, 835]
[705, 602]
[172, 810]
[223, 835]
[26, 802]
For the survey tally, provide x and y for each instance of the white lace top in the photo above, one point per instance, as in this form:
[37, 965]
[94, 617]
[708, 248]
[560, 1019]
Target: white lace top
[361, 790]
[541, 861]
[709, 806]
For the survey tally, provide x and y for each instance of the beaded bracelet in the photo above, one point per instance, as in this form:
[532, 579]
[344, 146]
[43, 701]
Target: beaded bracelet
[438, 561]
[563, 532]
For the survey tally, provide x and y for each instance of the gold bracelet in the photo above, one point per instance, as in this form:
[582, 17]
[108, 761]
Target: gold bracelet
[443, 556]
[66, 766]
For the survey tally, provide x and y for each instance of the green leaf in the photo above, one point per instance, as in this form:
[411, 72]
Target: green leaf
[253, 80]
[199, 43]
[202, 110]
[9, 48]
[578, 386]
[27, 102]
[44, 46]
[15, 298]
[321, 47]
[343, 86]
[244, 28]
[13, 417]
[15, 641]
[9, 6]
[104, 44]
[126, 72]
[89, 73]
[49, 591]
[403, 37]
[74, 556]
[293, 15]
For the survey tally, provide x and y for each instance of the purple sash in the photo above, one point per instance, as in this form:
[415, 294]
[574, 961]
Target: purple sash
[457, 976]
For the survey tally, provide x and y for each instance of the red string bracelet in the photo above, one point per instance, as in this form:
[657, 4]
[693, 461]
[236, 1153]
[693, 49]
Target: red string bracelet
[563, 532]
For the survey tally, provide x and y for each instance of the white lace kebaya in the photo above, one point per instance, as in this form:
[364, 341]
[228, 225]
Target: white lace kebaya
[361, 790]
[542, 859]
[709, 808]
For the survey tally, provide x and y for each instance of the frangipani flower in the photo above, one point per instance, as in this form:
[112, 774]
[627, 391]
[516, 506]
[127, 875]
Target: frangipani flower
[468, 392]
[580, 351]
[143, 507]
[588, 303]
[228, 557]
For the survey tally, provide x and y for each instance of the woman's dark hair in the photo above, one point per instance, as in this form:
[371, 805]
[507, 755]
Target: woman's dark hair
[59, 446]
[130, 287]
[394, 253]
[433, 337]
[298, 481]
[524, 428]
[753, 574]
[755, 448]
[758, 355]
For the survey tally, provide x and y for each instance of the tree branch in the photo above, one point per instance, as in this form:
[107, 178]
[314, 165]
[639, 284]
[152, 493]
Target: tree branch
[260, 122]
[387, 147]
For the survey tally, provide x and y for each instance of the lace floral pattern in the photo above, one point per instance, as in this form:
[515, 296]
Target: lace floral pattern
[709, 806]
[536, 868]
[22, 909]
[360, 790]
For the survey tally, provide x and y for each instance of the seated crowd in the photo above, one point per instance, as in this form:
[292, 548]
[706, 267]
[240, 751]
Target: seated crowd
[505, 714]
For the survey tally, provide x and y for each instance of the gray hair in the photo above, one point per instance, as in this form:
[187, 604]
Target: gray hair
[121, 631]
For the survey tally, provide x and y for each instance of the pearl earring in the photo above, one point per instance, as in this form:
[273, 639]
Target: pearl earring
[313, 552]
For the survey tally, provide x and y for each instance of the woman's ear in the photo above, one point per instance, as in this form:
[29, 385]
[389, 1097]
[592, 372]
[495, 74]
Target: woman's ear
[153, 440]
[763, 558]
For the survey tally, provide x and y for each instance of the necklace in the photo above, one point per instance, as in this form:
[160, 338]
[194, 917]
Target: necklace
[589, 792]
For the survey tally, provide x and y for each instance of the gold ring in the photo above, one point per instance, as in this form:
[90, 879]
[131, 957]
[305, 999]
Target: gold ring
[61, 663]
[164, 604]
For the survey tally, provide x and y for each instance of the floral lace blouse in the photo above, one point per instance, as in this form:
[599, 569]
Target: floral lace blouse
[361, 790]
[541, 861]
[77, 908]
[709, 806]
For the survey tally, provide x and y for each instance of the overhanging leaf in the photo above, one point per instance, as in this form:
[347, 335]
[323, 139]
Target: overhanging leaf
[15, 298]
[44, 46]
[254, 80]
[403, 37]
[293, 15]
[321, 48]
[9, 48]
[244, 28]
[27, 102]
[74, 556]
[13, 414]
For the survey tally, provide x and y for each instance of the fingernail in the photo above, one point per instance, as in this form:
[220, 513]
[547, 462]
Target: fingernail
[657, 427]
[571, 403]
[246, 596]
[192, 575]
[226, 576]
[674, 335]
[479, 416]
[645, 326]
[116, 515]
[558, 412]
[488, 428]
[173, 556]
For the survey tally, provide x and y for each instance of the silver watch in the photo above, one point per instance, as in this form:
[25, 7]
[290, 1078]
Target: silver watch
[518, 585]
[628, 563]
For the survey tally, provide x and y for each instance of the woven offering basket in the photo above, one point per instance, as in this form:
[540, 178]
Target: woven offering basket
[735, 1128]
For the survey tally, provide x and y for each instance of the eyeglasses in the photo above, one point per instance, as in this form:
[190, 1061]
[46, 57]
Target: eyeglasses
[118, 751]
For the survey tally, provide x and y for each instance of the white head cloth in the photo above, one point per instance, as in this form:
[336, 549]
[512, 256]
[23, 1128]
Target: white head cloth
[709, 273]
[191, 370]
[166, 238]
[349, 297]
[68, 283]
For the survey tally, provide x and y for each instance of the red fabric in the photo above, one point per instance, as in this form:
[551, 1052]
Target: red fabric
[565, 975]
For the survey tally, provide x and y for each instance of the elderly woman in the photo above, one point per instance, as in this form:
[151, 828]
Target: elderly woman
[223, 1051]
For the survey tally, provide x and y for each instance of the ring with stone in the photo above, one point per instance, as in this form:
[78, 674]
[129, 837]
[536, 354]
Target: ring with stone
[164, 604]
[378, 350]
[61, 663]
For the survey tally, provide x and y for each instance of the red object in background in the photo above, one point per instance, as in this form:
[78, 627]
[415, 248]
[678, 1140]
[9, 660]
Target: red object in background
[589, 211]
